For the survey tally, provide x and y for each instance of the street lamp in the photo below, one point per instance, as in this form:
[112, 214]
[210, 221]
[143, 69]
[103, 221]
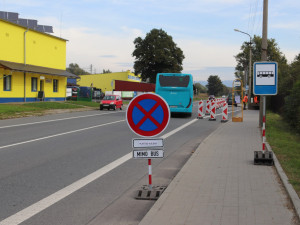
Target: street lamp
[250, 62]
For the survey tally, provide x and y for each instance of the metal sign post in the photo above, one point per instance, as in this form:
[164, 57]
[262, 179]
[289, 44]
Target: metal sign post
[265, 82]
[148, 115]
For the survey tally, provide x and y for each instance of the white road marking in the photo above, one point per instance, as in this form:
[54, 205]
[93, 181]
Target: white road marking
[48, 121]
[56, 135]
[41, 205]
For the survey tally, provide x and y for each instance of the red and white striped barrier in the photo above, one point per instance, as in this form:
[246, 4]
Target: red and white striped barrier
[200, 110]
[213, 111]
[224, 113]
[264, 135]
[207, 111]
[218, 103]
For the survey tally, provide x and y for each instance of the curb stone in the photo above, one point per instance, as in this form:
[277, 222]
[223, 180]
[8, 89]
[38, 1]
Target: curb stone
[289, 188]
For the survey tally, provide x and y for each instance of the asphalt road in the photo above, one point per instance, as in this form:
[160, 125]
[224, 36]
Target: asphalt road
[77, 168]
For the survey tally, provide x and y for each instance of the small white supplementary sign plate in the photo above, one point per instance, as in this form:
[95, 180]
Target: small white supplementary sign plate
[147, 143]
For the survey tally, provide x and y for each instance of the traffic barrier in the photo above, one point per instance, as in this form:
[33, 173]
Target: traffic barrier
[207, 111]
[213, 111]
[218, 103]
[224, 113]
[200, 110]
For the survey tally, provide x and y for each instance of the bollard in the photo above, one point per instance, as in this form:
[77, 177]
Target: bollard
[207, 111]
[213, 111]
[200, 110]
[224, 113]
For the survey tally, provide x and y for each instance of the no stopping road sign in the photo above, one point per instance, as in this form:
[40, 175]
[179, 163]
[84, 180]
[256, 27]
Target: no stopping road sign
[148, 115]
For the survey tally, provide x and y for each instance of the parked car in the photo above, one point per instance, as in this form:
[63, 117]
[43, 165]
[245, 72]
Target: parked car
[229, 100]
[111, 102]
[211, 97]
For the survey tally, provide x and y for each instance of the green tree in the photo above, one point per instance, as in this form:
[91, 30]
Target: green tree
[226, 90]
[199, 88]
[292, 100]
[75, 69]
[274, 54]
[292, 107]
[214, 85]
[157, 53]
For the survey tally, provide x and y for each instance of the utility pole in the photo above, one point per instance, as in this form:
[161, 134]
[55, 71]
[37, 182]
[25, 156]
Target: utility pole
[264, 46]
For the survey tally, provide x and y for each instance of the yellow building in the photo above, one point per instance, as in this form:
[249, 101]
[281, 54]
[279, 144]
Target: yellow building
[106, 81]
[32, 64]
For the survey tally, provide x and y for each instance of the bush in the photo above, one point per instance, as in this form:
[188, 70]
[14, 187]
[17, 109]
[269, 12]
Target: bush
[292, 107]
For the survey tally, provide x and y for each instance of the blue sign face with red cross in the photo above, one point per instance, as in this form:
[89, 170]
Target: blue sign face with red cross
[148, 115]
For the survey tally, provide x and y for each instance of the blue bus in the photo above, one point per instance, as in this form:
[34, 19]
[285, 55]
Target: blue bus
[177, 90]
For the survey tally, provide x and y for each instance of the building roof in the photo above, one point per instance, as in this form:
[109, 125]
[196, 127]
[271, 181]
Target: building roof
[18, 25]
[35, 69]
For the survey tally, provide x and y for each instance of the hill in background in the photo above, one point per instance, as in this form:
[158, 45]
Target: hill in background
[227, 83]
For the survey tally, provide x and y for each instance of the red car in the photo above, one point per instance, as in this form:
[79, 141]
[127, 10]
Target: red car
[111, 102]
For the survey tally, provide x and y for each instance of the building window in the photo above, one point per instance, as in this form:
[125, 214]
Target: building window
[7, 83]
[55, 85]
[33, 84]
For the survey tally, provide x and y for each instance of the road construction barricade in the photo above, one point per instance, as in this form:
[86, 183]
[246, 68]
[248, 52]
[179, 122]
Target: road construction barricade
[207, 110]
[213, 111]
[200, 110]
[224, 112]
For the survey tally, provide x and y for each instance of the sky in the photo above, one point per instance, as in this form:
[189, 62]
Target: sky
[101, 32]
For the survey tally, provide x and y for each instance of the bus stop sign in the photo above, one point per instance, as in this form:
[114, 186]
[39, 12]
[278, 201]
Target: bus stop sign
[265, 79]
[148, 115]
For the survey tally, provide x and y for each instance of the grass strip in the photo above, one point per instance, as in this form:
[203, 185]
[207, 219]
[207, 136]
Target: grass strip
[84, 103]
[286, 145]
[52, 105]
[25, 109]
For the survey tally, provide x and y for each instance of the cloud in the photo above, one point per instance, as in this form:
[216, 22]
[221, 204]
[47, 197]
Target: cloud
[26, 3]
[207, 53]
[286, 25]
[102, 51]
[108, 56]
[225, 73]
[114, 52]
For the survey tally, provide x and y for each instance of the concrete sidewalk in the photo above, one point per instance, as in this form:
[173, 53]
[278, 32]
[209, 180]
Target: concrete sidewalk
[220, 185]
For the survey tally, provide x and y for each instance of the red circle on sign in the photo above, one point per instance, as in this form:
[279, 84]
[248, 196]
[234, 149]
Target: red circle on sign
[160, 127]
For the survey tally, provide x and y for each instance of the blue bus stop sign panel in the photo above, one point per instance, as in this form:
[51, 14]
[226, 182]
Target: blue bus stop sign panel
[148, 115]
[265, 79]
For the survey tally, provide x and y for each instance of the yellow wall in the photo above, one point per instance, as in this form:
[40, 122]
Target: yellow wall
[48, 86]
[17, 88]
[41, 49]
[105, 81]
